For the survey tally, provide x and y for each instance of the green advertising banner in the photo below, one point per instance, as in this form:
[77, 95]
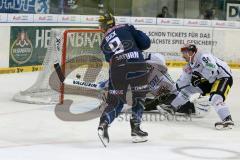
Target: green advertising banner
[28, 45]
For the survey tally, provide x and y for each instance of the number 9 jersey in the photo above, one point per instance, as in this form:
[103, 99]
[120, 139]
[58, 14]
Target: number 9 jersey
[126, 41]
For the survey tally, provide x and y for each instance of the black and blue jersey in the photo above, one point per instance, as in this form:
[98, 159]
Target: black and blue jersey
[123, 44]
[126, 41]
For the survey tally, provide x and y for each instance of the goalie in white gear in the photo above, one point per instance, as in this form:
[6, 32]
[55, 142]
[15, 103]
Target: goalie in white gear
[165, 91]
[212, 76]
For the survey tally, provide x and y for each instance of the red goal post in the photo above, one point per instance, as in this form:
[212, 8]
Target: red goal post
[66, 45]
[64, 52]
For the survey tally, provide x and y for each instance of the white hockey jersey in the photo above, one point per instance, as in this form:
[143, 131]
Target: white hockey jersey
[159, 80]
[209, 66]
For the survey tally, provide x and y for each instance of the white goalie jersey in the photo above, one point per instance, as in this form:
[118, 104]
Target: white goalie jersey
[159, 80]
[161, 83]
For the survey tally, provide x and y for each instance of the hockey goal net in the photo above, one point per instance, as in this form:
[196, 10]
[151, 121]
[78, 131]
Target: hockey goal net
[77, 53]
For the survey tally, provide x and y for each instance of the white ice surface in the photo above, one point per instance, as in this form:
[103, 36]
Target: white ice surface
[33, 132]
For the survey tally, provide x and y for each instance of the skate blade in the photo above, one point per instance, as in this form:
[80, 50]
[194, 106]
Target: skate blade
[223, 127]
[138, 139]
[102, 139]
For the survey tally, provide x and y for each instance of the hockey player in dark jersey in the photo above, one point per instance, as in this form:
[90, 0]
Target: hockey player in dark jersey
[122, 46]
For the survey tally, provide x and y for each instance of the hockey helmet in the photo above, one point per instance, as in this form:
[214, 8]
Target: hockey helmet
[189, 47]
[106, 21]
[156, 58]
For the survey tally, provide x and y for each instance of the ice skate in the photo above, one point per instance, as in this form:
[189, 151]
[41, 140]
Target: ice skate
[103, 133]
[227, 123]
[137, 134]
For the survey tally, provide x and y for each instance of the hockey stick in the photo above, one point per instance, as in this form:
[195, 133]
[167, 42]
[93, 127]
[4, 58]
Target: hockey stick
[171, 81]
[156, 99]
[100, 86]
[84, 84]
[59, 72]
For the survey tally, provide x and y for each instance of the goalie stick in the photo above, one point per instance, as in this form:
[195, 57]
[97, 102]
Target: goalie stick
[100, 86]
[167, 76]
[59, 72]
[156, 99]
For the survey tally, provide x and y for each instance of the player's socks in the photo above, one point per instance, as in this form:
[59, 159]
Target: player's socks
[224, 114]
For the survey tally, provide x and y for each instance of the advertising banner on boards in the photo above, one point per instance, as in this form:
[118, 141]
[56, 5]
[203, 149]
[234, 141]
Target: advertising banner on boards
[28, 45]
[168, 40]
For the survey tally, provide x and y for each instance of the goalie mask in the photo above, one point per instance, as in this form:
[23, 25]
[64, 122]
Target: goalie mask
[106, 21]
[157, 61]
[156, 58]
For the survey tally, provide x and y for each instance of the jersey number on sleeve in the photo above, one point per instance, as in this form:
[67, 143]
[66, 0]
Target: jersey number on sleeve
[206, 59]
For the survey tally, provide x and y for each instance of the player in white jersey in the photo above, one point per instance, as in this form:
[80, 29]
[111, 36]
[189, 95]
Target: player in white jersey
[211, 75]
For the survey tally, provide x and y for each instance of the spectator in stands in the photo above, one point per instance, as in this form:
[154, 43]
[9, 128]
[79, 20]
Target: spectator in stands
[210, 14]
[165, 13]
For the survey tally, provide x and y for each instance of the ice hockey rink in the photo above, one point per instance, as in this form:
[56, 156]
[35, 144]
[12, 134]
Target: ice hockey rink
[33, 132]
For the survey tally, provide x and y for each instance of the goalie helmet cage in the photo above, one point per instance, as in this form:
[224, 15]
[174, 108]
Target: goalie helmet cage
[78, 53]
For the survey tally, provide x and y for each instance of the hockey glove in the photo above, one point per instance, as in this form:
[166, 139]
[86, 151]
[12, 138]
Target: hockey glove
[150, 104]
[196, 79]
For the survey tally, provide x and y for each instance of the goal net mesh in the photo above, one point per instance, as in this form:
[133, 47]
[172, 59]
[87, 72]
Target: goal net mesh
[78, 53]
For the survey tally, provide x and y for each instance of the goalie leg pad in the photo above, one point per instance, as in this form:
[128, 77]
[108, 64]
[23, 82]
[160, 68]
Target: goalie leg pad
[202, 106]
